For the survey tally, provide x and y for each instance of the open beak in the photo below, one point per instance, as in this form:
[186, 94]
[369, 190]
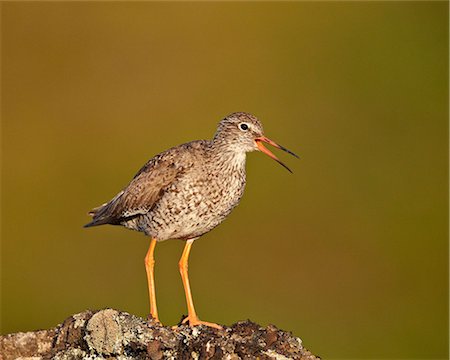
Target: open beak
[259, 143]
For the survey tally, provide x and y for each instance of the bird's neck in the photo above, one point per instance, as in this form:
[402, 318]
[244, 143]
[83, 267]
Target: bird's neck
[227, 157]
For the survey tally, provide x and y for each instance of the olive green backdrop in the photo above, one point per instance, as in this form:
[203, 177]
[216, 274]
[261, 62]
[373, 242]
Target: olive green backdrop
[350, 252]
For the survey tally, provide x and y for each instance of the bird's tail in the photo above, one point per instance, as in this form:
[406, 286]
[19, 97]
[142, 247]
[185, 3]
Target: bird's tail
[106, 213]
[97, 218]
[96, 223]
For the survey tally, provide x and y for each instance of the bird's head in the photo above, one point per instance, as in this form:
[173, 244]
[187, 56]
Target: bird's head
[243, 132]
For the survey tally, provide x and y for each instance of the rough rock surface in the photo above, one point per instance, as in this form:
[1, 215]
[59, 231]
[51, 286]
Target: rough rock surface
[110, 334]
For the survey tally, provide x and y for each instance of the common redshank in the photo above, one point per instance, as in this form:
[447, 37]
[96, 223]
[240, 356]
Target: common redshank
[186, 191]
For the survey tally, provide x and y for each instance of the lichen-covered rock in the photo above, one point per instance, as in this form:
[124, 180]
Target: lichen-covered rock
[110, 334]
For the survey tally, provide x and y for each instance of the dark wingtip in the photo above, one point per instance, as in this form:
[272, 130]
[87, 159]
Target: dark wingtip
[94, 222]
[102, 221]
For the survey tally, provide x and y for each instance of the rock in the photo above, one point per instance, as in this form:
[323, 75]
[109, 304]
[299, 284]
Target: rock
[111, 334]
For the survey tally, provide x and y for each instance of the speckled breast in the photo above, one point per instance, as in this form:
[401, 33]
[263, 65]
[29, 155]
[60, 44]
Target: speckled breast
[194, 205]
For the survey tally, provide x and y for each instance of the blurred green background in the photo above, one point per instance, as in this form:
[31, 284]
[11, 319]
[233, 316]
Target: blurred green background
[350, 253]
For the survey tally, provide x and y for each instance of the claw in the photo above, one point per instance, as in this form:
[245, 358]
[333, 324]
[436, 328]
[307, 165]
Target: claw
[196, 322]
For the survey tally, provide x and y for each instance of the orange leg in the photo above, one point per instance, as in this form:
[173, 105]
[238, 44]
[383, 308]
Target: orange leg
[192, 315]
[149, 268]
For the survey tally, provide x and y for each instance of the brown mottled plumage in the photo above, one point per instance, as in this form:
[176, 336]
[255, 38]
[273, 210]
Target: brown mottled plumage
[186, 191]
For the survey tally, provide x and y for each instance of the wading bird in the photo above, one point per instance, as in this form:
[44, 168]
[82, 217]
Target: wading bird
[186, 191]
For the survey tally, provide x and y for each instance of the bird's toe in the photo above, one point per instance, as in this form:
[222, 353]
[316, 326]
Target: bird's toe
[195, 321]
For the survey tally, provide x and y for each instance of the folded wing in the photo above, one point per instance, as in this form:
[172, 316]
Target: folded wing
[141, 195]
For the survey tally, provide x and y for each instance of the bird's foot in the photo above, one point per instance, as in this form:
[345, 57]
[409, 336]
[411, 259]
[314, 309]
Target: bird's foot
[150, 317]
[195, 321]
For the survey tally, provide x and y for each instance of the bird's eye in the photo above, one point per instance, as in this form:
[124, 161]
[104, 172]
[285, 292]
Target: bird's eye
[243, 126]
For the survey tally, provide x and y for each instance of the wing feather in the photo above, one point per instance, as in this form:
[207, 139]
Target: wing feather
[143, 192]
